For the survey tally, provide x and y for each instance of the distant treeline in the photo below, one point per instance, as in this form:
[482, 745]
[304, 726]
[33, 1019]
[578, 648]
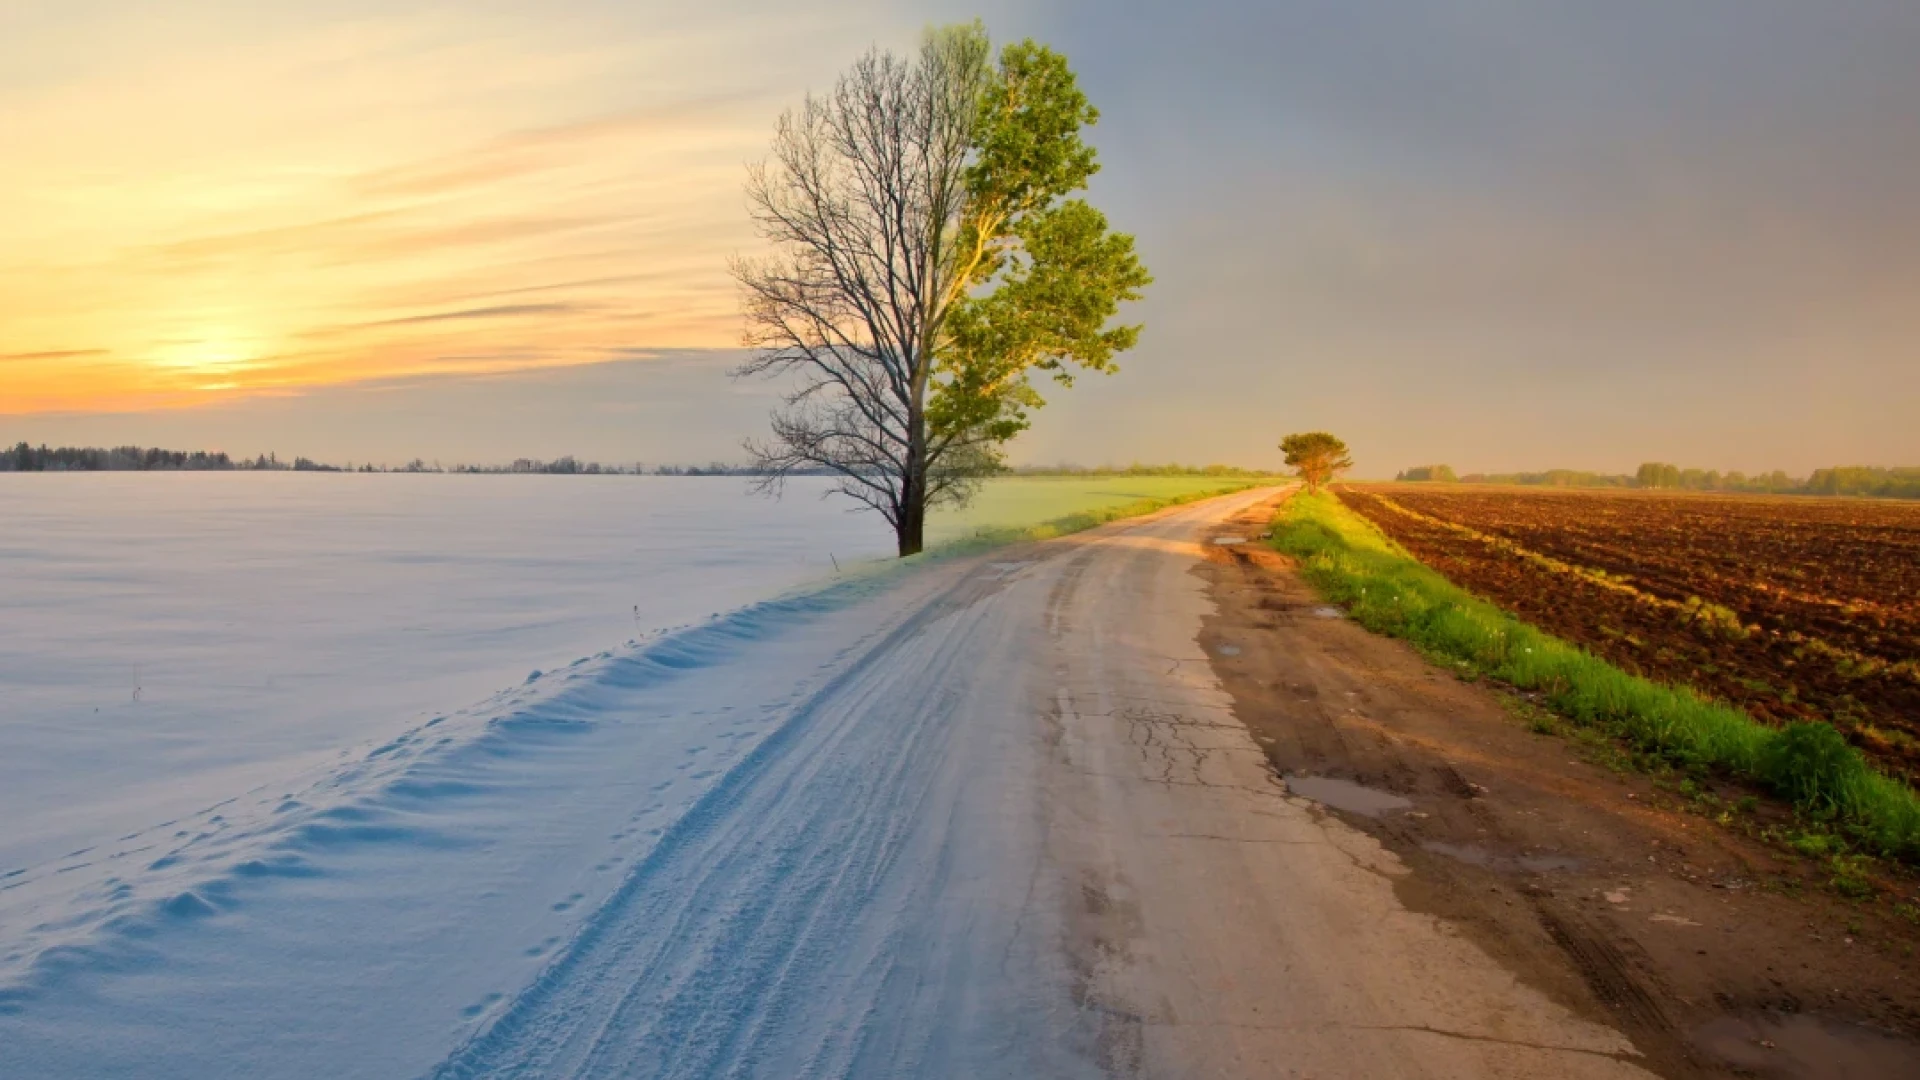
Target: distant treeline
[26, 458]
[570, 466]
[1894, 483]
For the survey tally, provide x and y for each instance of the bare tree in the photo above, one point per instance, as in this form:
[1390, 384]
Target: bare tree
[865, 200]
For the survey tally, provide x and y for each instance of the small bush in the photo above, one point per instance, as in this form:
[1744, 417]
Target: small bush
[1812, 766]
[1815, 845]
[1850, 877]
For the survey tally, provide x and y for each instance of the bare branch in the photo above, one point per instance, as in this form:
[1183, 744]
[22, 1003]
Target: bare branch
[862, 199]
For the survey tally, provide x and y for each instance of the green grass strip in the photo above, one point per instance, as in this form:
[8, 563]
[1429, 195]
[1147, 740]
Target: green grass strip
[997, 535]
[1387, 591]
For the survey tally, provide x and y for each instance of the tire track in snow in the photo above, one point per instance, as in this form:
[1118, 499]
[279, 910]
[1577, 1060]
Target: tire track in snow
[764, 900]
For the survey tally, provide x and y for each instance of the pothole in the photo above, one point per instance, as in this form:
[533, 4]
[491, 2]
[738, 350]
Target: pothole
[1347, 795]
[1501, 861]
[1792, 1046]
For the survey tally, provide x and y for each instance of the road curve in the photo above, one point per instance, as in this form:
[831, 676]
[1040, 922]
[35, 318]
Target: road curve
[1018, 831]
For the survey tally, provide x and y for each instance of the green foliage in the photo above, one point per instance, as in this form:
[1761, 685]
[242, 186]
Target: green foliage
[1388, 591]
[1561, 478]
[1850, 878]
[1655, 474]
[1028, 150]
[1316, 456]
[1812, 766]
[1440, 474]
[1814, 845]
[1050, 275]
[1900, 483]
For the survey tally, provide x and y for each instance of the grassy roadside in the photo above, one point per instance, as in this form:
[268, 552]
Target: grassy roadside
[1388, 591]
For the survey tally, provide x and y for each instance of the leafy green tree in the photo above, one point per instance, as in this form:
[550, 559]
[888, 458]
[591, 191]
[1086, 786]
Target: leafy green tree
[1656, 474]
[1316, 456]
[930, 256]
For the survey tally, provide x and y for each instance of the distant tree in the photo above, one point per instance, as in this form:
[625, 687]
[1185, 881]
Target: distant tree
[1316, 456]
[1442, 474]
[1657, 474]
[928, 259]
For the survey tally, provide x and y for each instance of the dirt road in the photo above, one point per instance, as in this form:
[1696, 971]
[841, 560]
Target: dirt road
[1220, 925]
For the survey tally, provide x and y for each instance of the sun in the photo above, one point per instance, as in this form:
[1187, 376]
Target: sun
[214, 354]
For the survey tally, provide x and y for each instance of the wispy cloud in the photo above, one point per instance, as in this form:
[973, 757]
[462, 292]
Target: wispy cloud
[55, 354]
[503, 311]
[500, 312]
[537, 149]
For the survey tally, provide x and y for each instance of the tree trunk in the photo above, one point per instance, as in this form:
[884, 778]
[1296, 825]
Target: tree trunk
[912, 529]
[913, 526]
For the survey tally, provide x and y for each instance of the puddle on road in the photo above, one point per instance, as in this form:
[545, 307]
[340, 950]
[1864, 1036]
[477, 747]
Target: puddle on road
[1780, 1046]
[1329, 613]
[1492, 860]
[1229, 539]
[1227, 650]
[1346, 795]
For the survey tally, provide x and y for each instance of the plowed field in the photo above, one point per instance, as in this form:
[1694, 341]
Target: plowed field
[1792, 608]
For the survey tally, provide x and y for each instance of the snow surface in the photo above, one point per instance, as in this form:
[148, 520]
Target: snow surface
[270, 622]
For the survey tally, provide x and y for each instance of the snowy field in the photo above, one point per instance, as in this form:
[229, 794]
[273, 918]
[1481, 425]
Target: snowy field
[236, 710]
[268, 622]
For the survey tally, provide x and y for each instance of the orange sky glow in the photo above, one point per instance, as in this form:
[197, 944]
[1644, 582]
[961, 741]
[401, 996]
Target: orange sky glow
[201, 207]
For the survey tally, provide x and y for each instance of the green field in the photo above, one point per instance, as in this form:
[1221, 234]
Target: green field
[1009, 506]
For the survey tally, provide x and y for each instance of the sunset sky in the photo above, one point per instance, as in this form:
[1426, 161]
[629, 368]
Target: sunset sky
[1500, 234]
